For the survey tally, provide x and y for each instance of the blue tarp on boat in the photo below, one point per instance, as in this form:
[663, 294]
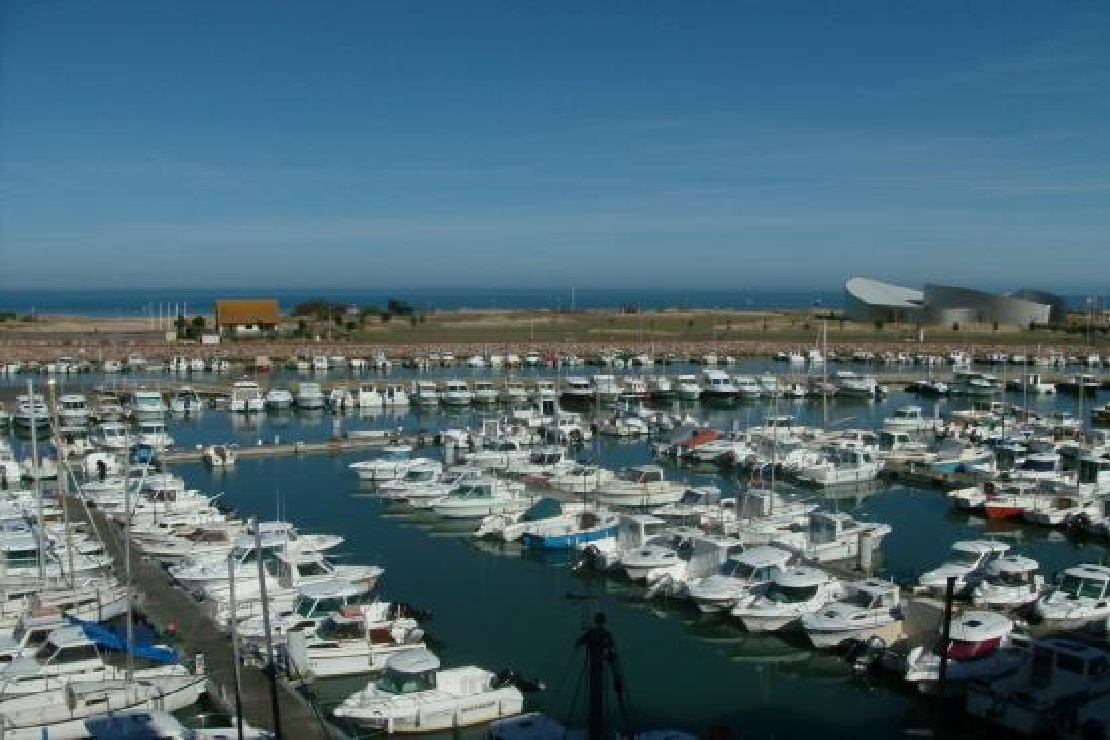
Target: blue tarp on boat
[111, 640]
[545, 508]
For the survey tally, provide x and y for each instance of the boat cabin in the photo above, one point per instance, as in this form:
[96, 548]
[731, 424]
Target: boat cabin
[872, 593]
[757, 564]
[315, 600]
[1013, 571]
[1094, 471]
[1085, 581]
[642, 474]
[796, 584]
[30, 633]
[409, 672]
[634, 530]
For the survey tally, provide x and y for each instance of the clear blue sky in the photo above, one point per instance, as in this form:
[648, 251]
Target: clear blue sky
[531, 143]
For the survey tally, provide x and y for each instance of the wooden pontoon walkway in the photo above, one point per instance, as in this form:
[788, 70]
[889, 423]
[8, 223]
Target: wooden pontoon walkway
[163, 605]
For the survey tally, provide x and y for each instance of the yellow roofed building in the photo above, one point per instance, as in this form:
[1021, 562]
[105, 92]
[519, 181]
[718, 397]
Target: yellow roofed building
[245, 318]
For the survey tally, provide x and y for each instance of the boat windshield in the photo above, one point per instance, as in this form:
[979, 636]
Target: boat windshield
[306, 607]
[395, 682]
[780, 594]
[737, 569]
[964, 557]
[1007, 578]
[419, 476]
[473, 491]
[1082, 588]
[860, 598]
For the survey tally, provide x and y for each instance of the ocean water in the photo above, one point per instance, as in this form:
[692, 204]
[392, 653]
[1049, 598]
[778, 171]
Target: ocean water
[153, 302]
[202, 300]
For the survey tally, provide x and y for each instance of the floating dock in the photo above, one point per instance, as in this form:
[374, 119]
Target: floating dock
[173, 611]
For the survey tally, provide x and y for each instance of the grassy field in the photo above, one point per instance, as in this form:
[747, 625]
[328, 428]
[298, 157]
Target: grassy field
[668, 328]
[674, 327]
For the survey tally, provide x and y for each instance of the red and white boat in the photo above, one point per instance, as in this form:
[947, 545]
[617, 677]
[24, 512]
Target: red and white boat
[1011, 500]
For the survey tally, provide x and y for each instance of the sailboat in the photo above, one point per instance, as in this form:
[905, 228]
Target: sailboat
[68, 682]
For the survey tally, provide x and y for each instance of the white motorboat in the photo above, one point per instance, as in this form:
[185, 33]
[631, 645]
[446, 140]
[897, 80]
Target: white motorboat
[340, 398]
[840, 465]
[849, 383]
[659, 555]
[277, 537]
[580, 479]
[219, 456]
[63, 714]
[1034, 383]
[393, 462]
[540, 463]
[414, 694]
[718, 386]
[200, 541]
[480, 498]
[577, 390]
[315, 602]
[909, 419]
[640, 486]
[31, 411]
[67, 655]
[633, 531]
[485, 392]
[687, 387]
[513, 391]
[186, 402]
[1079, 599]
[278, 398]
[73, 409]
[747, 387]
[367, 396]
[154, 434]
[246, 397]
[425, 393]
[981, 645]
[107, 407]
[349, 644]
[424, 472]
[1009, 582]
[1058, 675]
[793, 593]
[739, 579]
[498, 454]
[456, 392]
[309, 395]
[394, 395]
[966, 562]
[832, 536]
[138, 723]
[870, 608]
[148, 404]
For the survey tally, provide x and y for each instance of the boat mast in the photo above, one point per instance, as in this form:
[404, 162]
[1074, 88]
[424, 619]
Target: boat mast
[36, 482]
[63, 484]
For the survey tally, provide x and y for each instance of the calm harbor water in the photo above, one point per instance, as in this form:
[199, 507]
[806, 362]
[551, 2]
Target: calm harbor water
[497, 607]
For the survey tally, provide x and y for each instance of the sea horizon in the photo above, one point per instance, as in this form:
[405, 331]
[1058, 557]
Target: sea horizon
[192, 301]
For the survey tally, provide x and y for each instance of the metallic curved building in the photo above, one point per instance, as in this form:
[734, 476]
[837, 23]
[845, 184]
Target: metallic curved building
[873, 300]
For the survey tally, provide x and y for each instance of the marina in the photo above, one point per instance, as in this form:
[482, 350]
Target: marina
[266, 463]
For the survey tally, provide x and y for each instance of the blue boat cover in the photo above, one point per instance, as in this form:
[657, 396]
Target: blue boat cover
[141, 454]
[111, 640]
[545, 508]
